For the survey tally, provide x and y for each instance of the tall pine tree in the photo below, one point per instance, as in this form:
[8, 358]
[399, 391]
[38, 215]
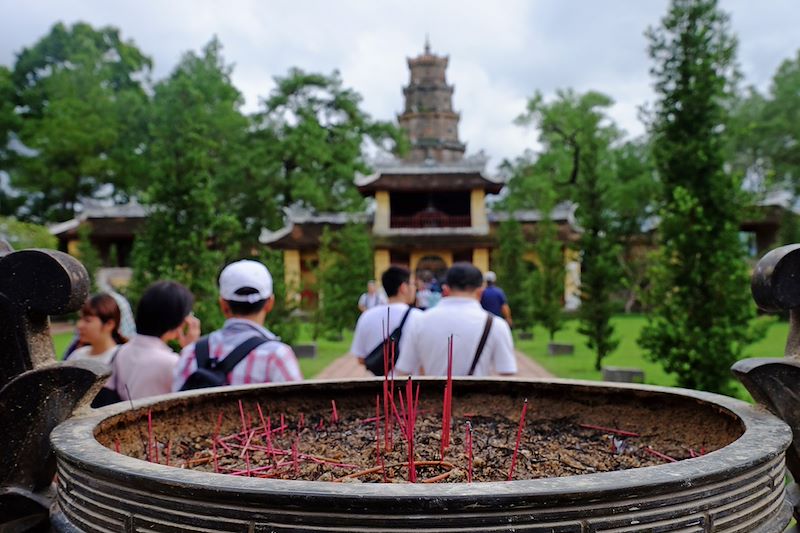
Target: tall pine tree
[699, 296]
[197, 133]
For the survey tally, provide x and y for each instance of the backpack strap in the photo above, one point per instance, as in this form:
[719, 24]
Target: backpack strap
[239, 353]
[201, 353]
[481, 344]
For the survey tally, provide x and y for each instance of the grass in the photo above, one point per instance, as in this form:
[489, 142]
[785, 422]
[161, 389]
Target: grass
[577, 366]
[628, 353]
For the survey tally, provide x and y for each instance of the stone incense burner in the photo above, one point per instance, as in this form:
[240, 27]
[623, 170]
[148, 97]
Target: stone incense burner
[737, 486]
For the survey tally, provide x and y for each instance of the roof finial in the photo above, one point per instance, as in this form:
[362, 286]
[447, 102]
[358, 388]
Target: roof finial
[427, 45]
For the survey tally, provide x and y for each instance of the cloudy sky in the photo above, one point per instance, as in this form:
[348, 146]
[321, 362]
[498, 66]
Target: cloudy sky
[500, 51]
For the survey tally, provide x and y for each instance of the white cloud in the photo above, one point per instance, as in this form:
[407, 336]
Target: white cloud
[500, 52]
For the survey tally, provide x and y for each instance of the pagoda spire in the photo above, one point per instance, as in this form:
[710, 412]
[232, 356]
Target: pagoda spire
[428, 117]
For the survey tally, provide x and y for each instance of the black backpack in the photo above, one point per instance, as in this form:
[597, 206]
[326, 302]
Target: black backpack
[214, 373]
[374, 360]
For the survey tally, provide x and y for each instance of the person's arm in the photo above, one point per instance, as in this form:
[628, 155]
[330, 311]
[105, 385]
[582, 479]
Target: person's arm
[362, 302]
[357, 348]
[506, 310]
[505, 360]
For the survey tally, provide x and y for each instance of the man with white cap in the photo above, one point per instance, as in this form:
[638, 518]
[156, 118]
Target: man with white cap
[255, 355]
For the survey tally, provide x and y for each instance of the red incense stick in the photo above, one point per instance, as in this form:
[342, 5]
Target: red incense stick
[519, 437]
[335, 413]
[468, 441]
[150, 435]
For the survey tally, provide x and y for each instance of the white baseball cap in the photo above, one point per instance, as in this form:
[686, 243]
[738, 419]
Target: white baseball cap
[245, 274]
[490, 277]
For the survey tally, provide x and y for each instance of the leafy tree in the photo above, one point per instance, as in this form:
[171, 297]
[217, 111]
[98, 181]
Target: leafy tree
[513, 272]
[81, 98]
[781, 124]
[87, 254]
[197, 132]
[699, 295]
[547, 281]
[311, 134]
[345, 266]
[575, 131]
[280, 320]
[21, 235]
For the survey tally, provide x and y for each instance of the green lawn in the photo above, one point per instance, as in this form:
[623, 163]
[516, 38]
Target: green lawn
[628, 353]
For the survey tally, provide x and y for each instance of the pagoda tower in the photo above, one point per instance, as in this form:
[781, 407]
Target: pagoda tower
[428, 117]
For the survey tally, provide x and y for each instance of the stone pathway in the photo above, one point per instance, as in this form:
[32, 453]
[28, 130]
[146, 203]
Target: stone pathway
[347, 366]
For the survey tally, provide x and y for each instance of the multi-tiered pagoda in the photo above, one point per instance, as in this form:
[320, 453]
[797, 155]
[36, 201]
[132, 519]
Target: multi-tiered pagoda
[430, 206]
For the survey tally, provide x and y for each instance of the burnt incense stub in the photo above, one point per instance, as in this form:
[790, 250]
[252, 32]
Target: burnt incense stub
[36, 393]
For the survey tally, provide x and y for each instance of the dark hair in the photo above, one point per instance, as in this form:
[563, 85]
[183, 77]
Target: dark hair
[246, 308]
[393, 277]
[464, 277]
[163, 307]
[105, 307]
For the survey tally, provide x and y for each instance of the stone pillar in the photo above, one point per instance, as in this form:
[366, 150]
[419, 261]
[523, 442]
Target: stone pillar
[382, 212]
[480, 258]
[291, 274]
[381, 262]
[572, 279]
[477, 209]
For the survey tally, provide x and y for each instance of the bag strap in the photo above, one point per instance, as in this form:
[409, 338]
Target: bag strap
[481, 344]
[239, 353]
[399, 329]
[201, 353]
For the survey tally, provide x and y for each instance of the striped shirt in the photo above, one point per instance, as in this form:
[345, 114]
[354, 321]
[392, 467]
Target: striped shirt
[271, 362]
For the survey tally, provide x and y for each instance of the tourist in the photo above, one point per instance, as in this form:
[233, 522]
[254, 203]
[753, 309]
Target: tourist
[378, 322]
[98, 329]
[423, 294]
[494, 299]
[423, 346]
[246, 299]
[144, 366]
[372, 298]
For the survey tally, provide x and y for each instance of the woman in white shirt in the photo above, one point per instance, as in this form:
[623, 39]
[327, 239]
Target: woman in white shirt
[98, 329]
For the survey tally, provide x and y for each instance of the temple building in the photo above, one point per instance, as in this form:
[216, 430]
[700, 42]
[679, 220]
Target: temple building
[430, 207]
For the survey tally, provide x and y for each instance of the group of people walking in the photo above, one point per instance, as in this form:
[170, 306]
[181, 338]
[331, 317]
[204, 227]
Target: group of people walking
[244, 351]
[145, 365]
[481, 340]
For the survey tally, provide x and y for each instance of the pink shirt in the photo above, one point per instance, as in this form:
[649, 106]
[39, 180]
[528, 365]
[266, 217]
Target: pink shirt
[271, 362]
[143, 367]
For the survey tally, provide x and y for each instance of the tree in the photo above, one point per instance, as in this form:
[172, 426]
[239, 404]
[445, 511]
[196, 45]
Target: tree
[87, 254]
[81, 100]
[576, 134]
[345, 266]
[312, 133]
[21, 235]
[197, 133]
[512, 271]
[699, 294]
[546, 285]
[781, 124]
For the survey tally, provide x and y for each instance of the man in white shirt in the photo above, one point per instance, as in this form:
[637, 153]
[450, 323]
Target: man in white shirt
[371, 328]
[372, 298]
[423, 346]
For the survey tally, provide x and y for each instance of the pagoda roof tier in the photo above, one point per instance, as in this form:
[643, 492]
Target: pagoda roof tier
[430, 175]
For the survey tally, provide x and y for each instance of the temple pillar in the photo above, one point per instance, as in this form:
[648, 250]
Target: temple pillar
[480, 258]
[382, 212]
[572, 279]
[477, 209]
[291, 274]
[381, 262]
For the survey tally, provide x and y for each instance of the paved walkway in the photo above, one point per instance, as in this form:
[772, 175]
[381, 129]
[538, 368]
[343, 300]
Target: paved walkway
[347, 366]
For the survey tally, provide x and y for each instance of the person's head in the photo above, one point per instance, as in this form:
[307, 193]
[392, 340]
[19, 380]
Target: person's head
[162, 309]
[99, 320]
[491, 278]
[245, 290]
[396, 282]
[371, 286]
[463, 278]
